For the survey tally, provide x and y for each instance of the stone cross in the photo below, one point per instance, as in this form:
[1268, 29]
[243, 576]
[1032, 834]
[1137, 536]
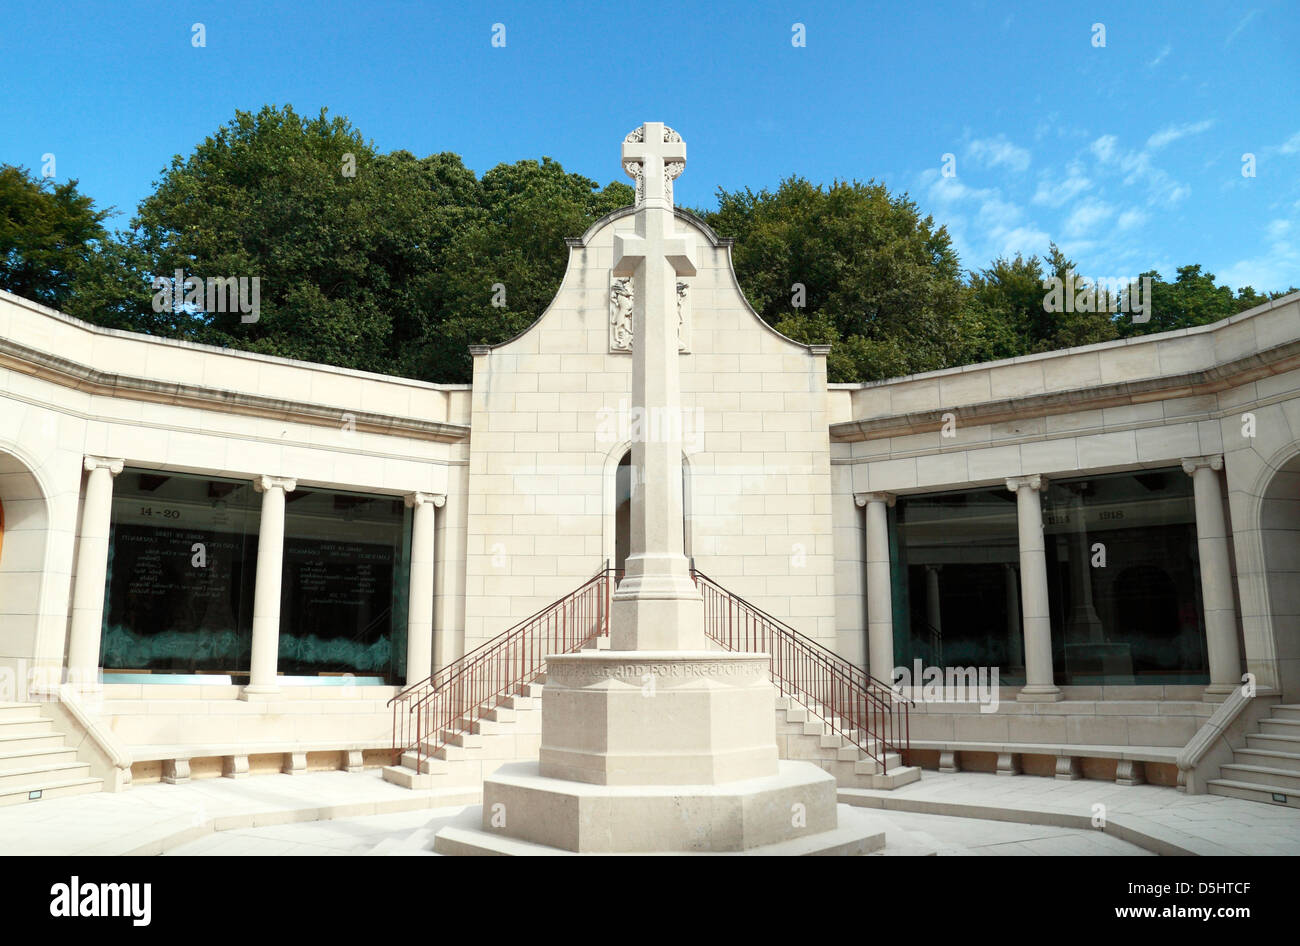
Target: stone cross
[657, 606]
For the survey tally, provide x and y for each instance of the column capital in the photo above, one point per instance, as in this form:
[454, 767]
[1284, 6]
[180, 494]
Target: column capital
[931, 567]
[1213, 462]
[415, 499]
[112, 464]
[265, 482]
[1037, 482]
[862, 499]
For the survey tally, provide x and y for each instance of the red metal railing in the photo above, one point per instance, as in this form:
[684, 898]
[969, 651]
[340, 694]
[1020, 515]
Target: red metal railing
[855, 705]
[428, 714]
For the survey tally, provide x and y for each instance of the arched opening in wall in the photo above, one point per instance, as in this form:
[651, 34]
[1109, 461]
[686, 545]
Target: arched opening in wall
[623, 511]
[24, 533]
[1279, 526]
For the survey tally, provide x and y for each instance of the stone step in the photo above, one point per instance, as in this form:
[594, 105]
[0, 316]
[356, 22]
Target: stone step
[1250, 791]
[1273, 742]
[452, 753]
[1287, 711]
[1266, 776]
[33, 757]
[52, 789]
[1281, 727]
[25, 727]
[27, 743]
[12, 711]
[501, 714]
[461, 737]
[36, 776]
[1268, 757]
[521, 702]
[408, 778]
[871, 767]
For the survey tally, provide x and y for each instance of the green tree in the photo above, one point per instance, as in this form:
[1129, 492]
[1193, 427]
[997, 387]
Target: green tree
[1193, 298]
[267, 197]
[48, 235]
[511, 251]
[882, 284]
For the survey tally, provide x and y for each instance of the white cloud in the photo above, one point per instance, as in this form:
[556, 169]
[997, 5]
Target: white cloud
[1160, 56]
[1291, 145]
[1172, 133]
[1130, 219]
[1276, 269]
[1087, 217]
[1240, 26]
[1054, 194]
[1138, 169]
[993, 152]
[1104, 148]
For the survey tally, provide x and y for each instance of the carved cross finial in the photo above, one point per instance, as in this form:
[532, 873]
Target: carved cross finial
[654, 156]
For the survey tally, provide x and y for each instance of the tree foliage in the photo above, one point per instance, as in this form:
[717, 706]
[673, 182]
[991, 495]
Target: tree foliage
[393, 263]
[49, 235]
[881, 283]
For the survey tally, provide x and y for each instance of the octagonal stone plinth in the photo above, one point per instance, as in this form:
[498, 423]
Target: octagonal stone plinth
[657, 718]
[797, 801]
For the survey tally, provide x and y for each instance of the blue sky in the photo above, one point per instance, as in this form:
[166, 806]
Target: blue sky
[1128, 155]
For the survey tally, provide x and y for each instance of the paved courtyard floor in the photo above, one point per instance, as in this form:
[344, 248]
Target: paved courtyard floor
[331, 813]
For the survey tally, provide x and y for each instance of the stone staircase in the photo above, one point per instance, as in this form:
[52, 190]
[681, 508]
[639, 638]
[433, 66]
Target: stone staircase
[512, 732]
[802, 734]
[1268, 769]
[35, 763]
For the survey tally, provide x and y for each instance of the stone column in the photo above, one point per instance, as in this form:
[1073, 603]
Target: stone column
[1216, 576]
[1015, 640]
[1039, 685]
[266, 594]
[934, 612]
[880, 609]
[419, 621]
[92, 568]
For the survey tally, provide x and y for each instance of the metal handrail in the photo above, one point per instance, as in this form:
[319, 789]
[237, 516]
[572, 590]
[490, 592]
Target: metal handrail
[871, 715]
[428, 714]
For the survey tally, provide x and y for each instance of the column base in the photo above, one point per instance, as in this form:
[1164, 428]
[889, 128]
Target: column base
[258, 693]
[1218, 692]
[1039, 694]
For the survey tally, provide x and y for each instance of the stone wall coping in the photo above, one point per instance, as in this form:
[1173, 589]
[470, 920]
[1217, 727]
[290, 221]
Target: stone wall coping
[81, 377]
[1116, 344]
[1134, 753]
[226, 352]
[1209, 380]
[152, 753]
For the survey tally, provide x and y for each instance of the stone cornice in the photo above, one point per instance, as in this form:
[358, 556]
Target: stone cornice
[71, 374]
[1186, 384]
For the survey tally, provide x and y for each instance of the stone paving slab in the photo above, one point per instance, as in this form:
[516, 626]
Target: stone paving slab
[1157, 818]
[337, 813]
[149, 819]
